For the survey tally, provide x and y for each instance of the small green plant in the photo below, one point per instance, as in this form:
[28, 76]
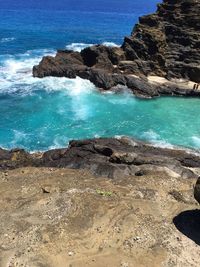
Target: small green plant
[104, 193]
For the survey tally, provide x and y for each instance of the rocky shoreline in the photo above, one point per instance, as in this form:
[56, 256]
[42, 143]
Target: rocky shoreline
[108, 157]
[101, 202]
[111, 201]
[164, 44]
[111, 158]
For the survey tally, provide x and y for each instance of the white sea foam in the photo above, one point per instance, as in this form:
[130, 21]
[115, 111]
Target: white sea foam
[77, 47]
[58, 142]
[151, 135]
[196, 141]
[19, 137]
[126, 99]
[7, 39]
[155, 139]
[80, 46]
[16, 74]
[111, 44]
[16, 77]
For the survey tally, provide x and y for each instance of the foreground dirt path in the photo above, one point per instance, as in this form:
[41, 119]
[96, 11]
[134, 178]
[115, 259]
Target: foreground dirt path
[60, 217]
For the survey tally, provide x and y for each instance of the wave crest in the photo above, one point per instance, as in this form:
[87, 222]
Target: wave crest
[7, 39]
[16, 76]
[78, 47]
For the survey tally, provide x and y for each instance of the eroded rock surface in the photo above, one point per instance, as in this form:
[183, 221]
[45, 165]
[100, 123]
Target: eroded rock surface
[59, 208]
[60, 217]
[108, 157]
[57, 217]
[166, 44]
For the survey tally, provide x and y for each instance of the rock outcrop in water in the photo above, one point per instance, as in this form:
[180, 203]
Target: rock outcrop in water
[166, 44]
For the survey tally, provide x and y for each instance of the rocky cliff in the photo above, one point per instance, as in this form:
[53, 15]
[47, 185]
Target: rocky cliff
[166, 44]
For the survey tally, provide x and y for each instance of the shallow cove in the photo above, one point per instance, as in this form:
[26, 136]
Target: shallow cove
[39, 114]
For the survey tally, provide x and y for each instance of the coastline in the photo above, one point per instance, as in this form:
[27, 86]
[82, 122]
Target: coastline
[117, 201]
[108, 157]
[149, 51]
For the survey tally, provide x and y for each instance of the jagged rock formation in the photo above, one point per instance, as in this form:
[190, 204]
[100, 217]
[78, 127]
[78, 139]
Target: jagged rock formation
[109, 158]
[166, 44]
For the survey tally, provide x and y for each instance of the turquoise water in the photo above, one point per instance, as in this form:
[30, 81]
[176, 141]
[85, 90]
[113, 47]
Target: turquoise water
[57, 110]
[38, 114]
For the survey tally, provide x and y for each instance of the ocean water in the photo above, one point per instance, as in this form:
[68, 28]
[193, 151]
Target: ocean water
[38, 114]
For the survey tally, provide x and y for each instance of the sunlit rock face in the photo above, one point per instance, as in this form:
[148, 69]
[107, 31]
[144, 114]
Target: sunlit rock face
[166, 43]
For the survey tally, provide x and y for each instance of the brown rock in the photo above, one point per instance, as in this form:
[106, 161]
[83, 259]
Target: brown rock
[165, 44]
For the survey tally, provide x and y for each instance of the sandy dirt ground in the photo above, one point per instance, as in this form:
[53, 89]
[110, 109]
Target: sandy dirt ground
[68, 218]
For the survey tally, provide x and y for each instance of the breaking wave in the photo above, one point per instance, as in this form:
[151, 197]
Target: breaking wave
[16, 75]
[7, 40]
[46, 113]
[156, 139]
[77, 47]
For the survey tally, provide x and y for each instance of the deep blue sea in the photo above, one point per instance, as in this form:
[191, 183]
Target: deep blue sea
[38, 114]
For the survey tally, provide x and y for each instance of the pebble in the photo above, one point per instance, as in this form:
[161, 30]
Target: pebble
[70, 253]
[99, 229]
[136, 238]
[45, 190]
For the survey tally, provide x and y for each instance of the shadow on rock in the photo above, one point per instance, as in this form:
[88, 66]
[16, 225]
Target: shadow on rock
[188, 222]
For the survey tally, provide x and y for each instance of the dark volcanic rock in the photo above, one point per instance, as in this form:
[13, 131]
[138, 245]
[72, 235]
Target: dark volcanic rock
[169, 40]
[65, 64]
[166, 43]
[16, 158]
[108, 157]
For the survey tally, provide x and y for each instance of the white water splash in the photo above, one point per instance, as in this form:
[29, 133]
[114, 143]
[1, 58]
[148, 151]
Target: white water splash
[16, 76]
[196, 141]
[110, 44]
[155, 139]
[7, 40]
[78, 47]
